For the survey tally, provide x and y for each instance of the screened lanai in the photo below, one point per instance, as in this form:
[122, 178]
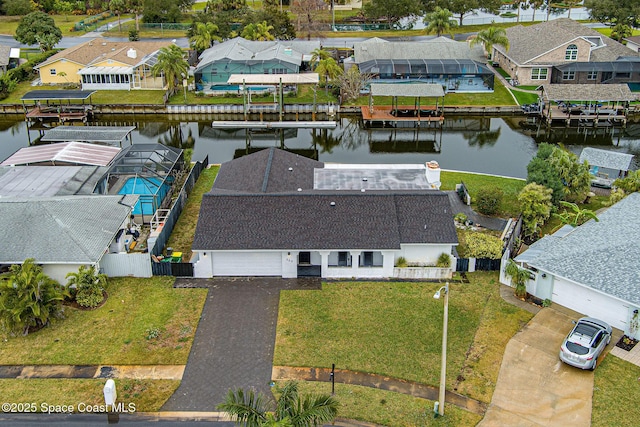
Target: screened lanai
[455, 75]
[148, 170]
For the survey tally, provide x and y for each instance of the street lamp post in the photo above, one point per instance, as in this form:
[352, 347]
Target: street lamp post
[443, 362]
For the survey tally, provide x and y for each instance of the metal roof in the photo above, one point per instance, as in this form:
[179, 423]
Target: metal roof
[105, 134]
[424, 66]
[587, 92]
[307, 78]
[43, 95]
[48, 181]
[77, 153]
[606, 159]
[61, 230]
[407, 89]
[106, 70]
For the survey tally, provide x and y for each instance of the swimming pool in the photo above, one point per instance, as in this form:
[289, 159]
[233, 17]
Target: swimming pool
[152, 191]
[235, 88]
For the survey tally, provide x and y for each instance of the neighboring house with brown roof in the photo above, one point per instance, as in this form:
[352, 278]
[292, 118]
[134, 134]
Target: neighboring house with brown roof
[565, 51]
[98, 64]
[274, 213]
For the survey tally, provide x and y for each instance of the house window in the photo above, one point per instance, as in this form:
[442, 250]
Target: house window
[592, 75]
[367, 259]
[623, 75]
[568, 75]
[571, 54]
[539, 73]
[52, 71]
[304, 258]
[343, 259]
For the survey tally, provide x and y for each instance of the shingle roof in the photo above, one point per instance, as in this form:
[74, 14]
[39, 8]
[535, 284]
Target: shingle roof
[587, 92]
[601, 255]
[380, 220]
[96, 50]
[73, 229]
[438, 48]
[267, 171]
[527, 43]
[4, 55]
[606, 158]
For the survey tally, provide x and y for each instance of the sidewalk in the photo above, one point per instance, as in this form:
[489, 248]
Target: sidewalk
[149, 372]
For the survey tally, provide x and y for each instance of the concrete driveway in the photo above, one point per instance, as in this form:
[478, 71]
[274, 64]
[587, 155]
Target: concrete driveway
[534, 388]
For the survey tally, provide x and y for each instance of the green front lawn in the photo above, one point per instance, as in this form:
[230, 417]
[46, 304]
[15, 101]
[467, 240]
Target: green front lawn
[146, 395]
[388, 408]
[615, 394]
[474, 182]
[118, 333]
[525, 97]
[395, 329]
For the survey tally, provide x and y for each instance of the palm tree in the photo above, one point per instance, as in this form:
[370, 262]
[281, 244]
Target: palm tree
[317, 55]
[259, 31]
[519, 277]
[574, 216]
[535, 5]
[570, 4]
[439, 21]
[204, 34]
[28, 298]
[117, 6]
[172, 65]
[621, 31]
[328, 70]
[490, 37]
[291, 409]
[89, 285]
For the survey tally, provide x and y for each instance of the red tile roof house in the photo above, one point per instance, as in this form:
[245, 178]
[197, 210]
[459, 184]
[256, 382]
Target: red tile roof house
[274, 213]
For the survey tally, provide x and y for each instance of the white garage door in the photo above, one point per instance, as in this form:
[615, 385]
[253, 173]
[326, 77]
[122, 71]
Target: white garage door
[591, 303]
[247, 264]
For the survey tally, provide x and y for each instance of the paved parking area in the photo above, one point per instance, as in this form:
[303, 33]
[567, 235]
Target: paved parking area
[233, 346]
[534, 388]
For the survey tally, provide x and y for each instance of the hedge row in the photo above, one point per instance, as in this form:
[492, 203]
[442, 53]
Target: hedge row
[22, 73]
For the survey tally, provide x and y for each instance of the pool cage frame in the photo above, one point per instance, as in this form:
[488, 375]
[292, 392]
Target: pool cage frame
[147, 161]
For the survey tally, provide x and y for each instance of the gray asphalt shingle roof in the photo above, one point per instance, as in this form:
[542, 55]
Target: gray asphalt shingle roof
[62, 230]
[606, 158]
[438, 48]
[601, 255]
[587, 92]
[372, 220]
[527, 43]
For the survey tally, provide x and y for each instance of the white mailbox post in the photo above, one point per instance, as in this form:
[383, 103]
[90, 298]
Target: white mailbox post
[110, 396]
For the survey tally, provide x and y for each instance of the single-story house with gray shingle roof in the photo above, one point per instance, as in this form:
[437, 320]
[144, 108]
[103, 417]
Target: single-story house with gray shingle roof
[241, 56]
[267, 216]
[633, 43]
[440, 60]
[605, 165]
[592, 269]
[565, 51]
[63, 233]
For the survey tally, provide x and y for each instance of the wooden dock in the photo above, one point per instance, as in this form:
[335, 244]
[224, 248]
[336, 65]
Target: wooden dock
[402, 115]
[59, 114]
[584, 116]
[248, 124]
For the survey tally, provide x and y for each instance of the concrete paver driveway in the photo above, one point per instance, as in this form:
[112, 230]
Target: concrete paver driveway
[534, 387]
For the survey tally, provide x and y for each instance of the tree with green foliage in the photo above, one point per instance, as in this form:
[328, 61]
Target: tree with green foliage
[88, 285]
[463, 8]
[16, 7]
[488, 200]
[258, 31]
[519, 278]
[615, 11]
[161, 11]
[38, 28]
[291, 409]
[28, 298]
[439, 21]
[282, 27]
[574, 175]
[619, 32]
[573, 215]
[63, 7]
[326, 67]
[117, 7]
[225, 5]
[540, 171]
[203, 35]
[490, 37]
[392, 11]
[535, 203]
[136, 7]
[171, 65]
[535, 5]
[630, 183]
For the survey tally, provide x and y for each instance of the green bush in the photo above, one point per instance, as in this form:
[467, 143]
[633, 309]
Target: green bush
[488, 200]
[460, 218]
[401, 262]
[481, 245]
[89, 297]
[444, 260]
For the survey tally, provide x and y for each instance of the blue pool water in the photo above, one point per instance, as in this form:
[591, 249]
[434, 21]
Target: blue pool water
[151, 190]
[235, 88]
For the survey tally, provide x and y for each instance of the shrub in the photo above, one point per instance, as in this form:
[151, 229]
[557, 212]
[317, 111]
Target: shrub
[89, 286]
[482, 245]
[401, 262]
[460, 218]
[488, 200]
[444, 260]
[88, 297]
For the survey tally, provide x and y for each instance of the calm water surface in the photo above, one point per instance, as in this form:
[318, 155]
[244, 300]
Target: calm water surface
[502, 146]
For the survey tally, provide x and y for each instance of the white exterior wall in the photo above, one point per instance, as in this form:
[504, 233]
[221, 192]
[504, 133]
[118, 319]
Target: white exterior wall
[591, 303]
[59, 272]
[289, 262]
[355, 271]
[423, 254]
[202, 264]
[106, 86]
[126, 264]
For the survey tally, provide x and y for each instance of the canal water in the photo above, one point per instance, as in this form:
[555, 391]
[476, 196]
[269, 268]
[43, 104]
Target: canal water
[494, 145]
